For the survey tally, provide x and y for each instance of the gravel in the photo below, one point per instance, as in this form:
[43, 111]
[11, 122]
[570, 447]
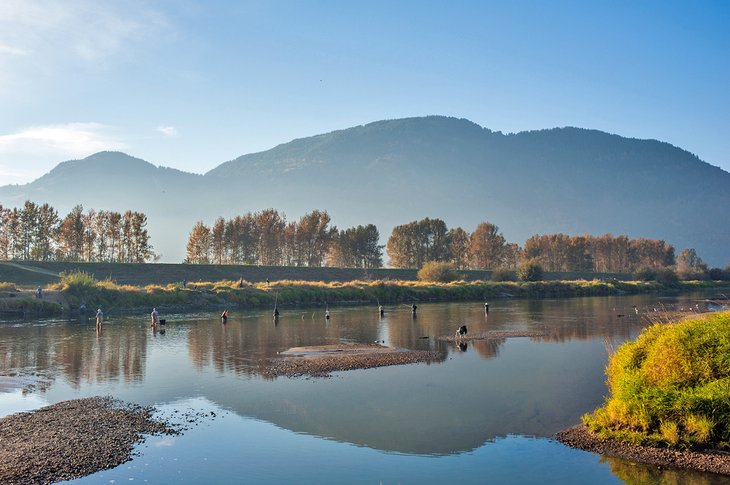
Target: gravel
[711, 461]
[73, 439]
[321, 361]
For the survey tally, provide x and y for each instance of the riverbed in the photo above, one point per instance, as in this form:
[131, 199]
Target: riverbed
[486, 411]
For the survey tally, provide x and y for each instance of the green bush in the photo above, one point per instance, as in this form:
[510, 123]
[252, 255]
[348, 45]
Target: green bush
[670, 387]
[530, 271]
[438, 272]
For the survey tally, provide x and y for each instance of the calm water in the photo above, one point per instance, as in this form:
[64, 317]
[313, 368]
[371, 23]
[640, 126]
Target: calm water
[483, 415]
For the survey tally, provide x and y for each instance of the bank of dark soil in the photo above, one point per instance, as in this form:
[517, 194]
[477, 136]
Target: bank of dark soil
[705, 461]
[323, 360]
[72, 439]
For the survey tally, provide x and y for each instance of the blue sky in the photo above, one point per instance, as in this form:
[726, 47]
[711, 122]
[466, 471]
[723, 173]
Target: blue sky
[192, 84]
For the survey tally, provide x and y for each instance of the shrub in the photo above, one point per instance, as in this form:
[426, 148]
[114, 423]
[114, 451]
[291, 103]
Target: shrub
[646, 273]
[503, 274]
[670, 387]
[719, 274]
[439, 272]
[530, 271]
[666, 276]
[7, 286]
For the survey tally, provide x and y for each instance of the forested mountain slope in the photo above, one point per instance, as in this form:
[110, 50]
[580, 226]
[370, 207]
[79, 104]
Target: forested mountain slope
[390, 172]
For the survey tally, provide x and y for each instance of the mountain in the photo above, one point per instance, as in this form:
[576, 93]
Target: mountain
[390, 172]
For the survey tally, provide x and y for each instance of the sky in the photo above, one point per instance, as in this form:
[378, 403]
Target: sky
[192, 84]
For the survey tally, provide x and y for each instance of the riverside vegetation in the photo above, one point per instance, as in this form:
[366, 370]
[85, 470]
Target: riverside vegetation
[670, 387]
[80, 289]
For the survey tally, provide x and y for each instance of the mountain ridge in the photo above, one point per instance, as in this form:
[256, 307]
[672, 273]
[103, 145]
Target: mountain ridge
[570, 179]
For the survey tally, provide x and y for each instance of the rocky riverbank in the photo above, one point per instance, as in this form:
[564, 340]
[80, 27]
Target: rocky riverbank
[711, 461]
[73, 439]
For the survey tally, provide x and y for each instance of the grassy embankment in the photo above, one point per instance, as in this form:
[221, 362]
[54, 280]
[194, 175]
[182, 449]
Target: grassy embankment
[33, 273]
[131, 286]
[670, 387]
[79, 288]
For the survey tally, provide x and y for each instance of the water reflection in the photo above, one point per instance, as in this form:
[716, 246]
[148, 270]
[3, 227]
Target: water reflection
[483, 390]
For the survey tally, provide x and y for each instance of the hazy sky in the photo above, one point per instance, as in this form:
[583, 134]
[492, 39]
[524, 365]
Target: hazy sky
[192, 84]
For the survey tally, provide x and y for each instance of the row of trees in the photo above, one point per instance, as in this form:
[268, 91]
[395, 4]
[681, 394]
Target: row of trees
[36, 232]
[411, 245]
[605, 254]
[266, 238]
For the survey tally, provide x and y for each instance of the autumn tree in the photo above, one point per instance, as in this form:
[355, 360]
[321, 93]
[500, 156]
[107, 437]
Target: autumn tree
[114, 234]
[486, 247]
[411, 245]
[198, 247]
[270, 243]
[71, 235]
[690, 265]
[90, 235]
[217, 241]
[356, 247]
[312, 238]
[459, 247]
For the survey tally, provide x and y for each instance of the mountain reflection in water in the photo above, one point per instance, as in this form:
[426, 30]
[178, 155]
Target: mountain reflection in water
[492, 388]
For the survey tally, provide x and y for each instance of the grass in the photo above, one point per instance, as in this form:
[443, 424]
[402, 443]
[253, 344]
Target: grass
[5, 286]
[165, 273]
[670, 387]
[81, 288]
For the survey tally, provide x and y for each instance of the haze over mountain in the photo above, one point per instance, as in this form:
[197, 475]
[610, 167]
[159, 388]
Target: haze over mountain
[567, 180]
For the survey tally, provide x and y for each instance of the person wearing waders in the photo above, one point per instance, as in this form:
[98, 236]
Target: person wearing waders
[99, 317]
[154, 317]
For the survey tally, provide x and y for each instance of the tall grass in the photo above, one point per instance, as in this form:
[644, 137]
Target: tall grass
[5, 286]
[670, 387]
[82, 288]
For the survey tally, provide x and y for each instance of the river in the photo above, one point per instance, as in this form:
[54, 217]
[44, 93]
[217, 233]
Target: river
[485, 414]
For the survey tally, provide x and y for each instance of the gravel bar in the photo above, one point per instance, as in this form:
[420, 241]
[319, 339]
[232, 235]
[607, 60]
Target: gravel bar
[73, 439]
[321, 361]
[711, 461]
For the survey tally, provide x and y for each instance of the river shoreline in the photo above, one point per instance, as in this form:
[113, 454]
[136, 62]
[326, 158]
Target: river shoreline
[72, 439]
[292, 294]
[710, 461]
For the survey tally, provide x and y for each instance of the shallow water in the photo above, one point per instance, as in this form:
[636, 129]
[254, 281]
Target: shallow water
[481, 415]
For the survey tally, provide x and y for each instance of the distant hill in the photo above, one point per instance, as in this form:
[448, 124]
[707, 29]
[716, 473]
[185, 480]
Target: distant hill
[568, 180]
